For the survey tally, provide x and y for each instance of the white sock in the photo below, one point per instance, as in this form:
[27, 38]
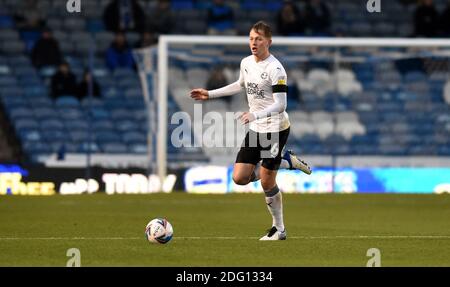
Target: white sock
[275, 206]
[284, 164]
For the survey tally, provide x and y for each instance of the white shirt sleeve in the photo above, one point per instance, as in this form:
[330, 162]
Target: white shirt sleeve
[279, 91]
[277, 107]
[228, 90]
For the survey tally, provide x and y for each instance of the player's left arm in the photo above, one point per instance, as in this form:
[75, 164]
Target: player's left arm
[279, 92]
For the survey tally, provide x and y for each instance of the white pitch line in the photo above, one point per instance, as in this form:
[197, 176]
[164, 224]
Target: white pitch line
[236, 238]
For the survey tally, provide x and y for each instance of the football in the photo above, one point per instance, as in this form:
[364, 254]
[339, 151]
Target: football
[159, 230]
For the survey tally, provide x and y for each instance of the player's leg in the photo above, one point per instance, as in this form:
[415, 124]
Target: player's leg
[243, 173]
[273, 197]
[247, 161]
[274, 202]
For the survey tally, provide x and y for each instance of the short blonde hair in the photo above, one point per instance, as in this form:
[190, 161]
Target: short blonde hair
[263, 27]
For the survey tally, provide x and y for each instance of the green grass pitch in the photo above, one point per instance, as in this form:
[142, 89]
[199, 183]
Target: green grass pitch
[223, 230]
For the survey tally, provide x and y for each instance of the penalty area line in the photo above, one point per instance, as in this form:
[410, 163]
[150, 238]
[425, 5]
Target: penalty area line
[237, 238]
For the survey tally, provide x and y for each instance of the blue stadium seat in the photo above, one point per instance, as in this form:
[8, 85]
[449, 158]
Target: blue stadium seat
[252, 5]
[76, 124]
[114, 148]
[95, 26]
[8, 35]
[130, 82]
[30, 80]
[6, 22]
[127, 125]
[121, 73]
[63, 147]
[99, 113]
[14, 103]
[181, 4]
[94, 103]
[103, 125]
[67, 47]
[71, 113]
[19, 61]
[33, 91]
[137, 148]
[13, 47]
[11, 91]
[67, 101]
[52, 124]
[107, 136]
[114, 103]
[134, 137]
[55, 23]
[51, 135]
[20, 112]
[74, 24]
[45, 112]
[48, 71]
[134, 92]
[36, 147]
[41, 102]
[195, 27]
[8, 80]
[79, 135]
[121, 114]
[273, 6]
[414, 76]
[85, 147]
[30, 134]
[22, 124]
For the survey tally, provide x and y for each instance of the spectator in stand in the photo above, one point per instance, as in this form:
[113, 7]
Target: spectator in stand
[220, 19]
[83, 87]
[161, 20]
[46, 51]
[289, 20]
[217, 79]
[147, 39]
[426, 19]
[63, 82]
[28, 17]
[445, 21]
[317, 18]
[119, 53]
[124, 15]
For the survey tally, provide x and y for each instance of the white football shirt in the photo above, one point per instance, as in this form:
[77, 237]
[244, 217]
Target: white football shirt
[258, 79]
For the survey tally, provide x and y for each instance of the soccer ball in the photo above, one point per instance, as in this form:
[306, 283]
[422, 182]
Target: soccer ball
[159, 230]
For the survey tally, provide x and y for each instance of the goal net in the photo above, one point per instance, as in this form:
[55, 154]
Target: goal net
[351, 101]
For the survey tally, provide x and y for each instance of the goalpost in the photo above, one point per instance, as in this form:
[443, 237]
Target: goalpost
[166, 42]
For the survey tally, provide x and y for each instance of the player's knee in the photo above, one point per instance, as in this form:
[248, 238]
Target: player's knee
[240, 180]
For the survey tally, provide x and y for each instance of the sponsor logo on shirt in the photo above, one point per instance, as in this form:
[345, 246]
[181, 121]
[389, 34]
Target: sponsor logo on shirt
[252, 89]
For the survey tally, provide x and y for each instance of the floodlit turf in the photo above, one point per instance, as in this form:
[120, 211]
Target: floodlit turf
[222, 230]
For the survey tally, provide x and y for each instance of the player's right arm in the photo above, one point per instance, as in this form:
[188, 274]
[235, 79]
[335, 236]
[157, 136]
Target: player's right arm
[229, 90]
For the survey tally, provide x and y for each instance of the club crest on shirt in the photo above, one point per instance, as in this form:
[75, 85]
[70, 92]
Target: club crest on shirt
[264, 75]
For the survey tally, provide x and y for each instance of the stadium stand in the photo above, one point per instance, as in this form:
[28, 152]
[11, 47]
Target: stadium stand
[375, 116]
